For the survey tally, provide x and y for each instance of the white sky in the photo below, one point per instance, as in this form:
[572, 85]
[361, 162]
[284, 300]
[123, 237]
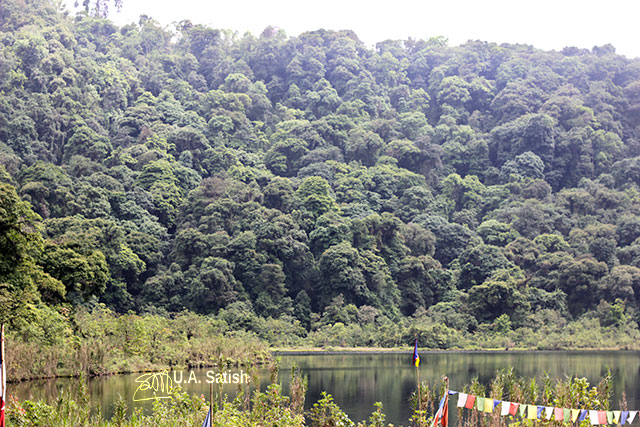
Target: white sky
[546, 24]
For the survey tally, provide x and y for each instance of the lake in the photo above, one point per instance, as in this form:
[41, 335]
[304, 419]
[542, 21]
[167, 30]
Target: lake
[356, 381]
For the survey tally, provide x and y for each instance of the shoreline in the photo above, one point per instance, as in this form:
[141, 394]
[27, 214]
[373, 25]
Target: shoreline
[409, 350]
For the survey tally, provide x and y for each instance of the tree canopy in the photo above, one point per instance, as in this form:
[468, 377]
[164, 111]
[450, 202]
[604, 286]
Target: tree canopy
[152, 168]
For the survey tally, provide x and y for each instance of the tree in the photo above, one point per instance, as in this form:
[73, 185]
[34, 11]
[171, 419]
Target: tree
[451, 240]
[22, 281]
[497, 296]
[279, 194]
[417, 283]
[86, 142]
[47, 187]
[329, 230]
[496, 233]
[341, 274]
[464, 193]
[529, 133]
[551, 243]
[99, 8]
[212, 286]
[83, 276]
[579, 280]
[314, 195]
[272, 300]
[363, 146]
[477, 263]
[623, 281]
[525, 165]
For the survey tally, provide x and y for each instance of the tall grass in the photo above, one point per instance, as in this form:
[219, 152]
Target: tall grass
[103, 342]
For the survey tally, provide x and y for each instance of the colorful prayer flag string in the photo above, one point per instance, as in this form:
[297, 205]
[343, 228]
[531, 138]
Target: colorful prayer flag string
[534, 412]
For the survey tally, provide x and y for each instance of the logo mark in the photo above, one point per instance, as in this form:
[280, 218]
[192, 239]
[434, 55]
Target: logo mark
[155, 385]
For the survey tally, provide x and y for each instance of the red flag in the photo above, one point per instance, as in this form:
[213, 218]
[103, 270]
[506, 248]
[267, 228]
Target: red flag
[558, 414]
[3, 378]
[470, 401]
[513, 408]
[602, 417]
[442, 416]
[445, 412]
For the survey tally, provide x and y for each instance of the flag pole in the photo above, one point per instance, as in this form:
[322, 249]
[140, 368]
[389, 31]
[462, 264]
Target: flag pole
[446, 402]
[3, 383]
[3, 380]
[416, 363]
[211, 400]
[419, 397]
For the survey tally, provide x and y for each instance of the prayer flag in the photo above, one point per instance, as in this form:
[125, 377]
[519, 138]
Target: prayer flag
[442, 415]
[496, 402]
[532, 412]
[623, 417]
[488, 405]
[207, 421]
[566, 413]
[505, 408]
[609, 417]
[602, 417]
[632, 415]
[593, 418]
[548, 412]
[513, 408]
[522, 410]
[462, 399]
[558, 414]
[416, 356]
[470, 401]
[616, 417]
[583, 415]
[574, 415]
[480, 404]
[540, 409]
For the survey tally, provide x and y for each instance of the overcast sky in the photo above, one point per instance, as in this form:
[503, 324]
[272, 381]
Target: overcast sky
[546, 24]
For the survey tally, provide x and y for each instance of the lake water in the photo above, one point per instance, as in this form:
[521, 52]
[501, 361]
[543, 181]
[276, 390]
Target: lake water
[356, 381]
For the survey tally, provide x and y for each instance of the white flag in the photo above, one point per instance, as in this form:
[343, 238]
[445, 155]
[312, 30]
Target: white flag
[462, 399]
[548, 411]
[504, 410]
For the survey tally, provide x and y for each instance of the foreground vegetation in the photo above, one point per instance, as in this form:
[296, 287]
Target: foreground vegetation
[272, 407]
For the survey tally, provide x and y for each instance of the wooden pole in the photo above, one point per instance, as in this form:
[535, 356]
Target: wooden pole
[419, 398]
[446, 396]
[211, 402]
[3, 381]
[4, 365]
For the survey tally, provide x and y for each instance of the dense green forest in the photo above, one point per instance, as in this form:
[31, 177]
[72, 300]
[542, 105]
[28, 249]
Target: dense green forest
[312, 189]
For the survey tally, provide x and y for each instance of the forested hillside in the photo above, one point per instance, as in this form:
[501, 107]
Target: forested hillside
[312, 186]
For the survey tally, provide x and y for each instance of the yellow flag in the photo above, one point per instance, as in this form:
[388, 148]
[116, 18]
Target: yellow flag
[616, 417]
[574, 415]
[488, 405]
[532, 412]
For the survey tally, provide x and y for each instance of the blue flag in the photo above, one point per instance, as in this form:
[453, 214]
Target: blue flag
[207, 421]
[416, 357]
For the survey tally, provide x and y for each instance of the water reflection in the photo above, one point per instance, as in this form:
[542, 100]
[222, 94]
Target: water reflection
[356, 381]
